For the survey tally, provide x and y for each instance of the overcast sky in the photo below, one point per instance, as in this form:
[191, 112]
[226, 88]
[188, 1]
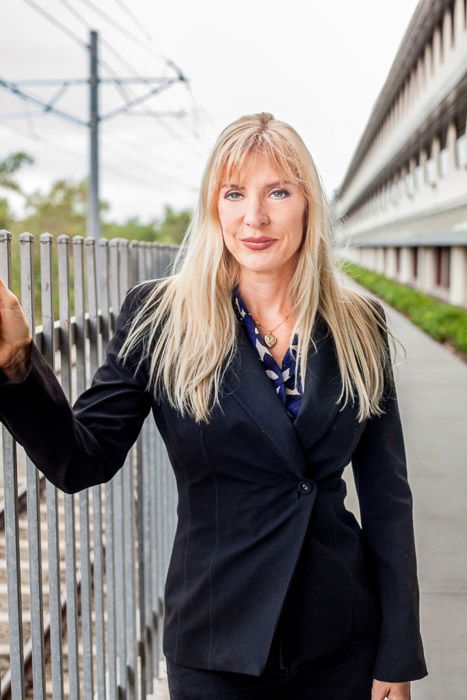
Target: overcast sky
[317, 65]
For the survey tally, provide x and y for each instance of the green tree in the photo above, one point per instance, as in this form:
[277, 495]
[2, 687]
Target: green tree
[61, 210]
[9, 166]
[170, 229]
[132, 229]
[6, 215]
[173, 226]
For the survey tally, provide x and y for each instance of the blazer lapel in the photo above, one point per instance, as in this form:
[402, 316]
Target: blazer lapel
[323, 384]
[248, 383]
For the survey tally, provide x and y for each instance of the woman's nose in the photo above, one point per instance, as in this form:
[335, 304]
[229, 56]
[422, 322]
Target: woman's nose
[255, 214]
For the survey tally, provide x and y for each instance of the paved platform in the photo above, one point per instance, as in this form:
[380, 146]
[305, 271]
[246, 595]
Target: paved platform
[432, 393]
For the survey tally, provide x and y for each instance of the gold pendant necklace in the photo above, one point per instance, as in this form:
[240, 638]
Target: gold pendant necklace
[270, 339]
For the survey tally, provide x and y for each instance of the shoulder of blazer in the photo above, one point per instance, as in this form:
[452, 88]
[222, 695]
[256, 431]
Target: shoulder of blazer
[139, 292]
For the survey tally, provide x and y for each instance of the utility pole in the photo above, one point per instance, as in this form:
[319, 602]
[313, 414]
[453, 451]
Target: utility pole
[94, 224]
[155, 84]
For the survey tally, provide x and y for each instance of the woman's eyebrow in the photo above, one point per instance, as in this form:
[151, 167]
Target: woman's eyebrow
[266, 187]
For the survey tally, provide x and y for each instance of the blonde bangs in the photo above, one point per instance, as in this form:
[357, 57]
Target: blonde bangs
[281, 155]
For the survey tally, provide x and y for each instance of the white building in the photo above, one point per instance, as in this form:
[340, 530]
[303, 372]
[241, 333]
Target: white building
[402, 206]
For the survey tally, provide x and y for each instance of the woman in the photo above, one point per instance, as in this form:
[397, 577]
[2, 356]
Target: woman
[265, 378]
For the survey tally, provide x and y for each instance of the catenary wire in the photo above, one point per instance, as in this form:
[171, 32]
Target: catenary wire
[35, 6]
[134, 19]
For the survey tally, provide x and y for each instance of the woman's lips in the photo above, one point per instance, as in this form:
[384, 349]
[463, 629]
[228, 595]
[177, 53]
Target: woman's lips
[259, 244]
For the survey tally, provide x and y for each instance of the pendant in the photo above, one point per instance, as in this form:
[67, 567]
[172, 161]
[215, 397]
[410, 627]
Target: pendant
[270, 340]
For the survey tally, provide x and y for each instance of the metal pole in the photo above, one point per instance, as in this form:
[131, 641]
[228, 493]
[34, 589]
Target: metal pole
[12, 550]
[93, 195]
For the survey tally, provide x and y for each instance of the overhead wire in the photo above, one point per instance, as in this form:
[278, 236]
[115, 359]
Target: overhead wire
[71, 35]
[118, 85]
[76, 156]
[62, 27]
[134, 19]
[124, 92]
[149, 38]
[115, 142]
[112, 21]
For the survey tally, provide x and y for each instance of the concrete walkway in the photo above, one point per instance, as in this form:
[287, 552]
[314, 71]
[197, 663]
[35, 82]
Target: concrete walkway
[432, 393]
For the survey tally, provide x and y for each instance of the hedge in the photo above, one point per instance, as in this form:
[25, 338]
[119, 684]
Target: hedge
[444, 322]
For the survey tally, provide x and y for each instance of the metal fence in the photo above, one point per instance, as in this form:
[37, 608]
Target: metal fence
[82, 575]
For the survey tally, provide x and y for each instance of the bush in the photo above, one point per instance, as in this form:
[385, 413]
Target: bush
[444, 322]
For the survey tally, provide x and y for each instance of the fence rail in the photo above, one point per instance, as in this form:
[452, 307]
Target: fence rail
[81, 587]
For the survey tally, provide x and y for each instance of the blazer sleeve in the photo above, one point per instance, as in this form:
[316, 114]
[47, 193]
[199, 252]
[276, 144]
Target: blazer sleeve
[85, 444]
[386, 510]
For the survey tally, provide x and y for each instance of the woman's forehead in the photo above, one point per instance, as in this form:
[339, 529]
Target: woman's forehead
[238, 172]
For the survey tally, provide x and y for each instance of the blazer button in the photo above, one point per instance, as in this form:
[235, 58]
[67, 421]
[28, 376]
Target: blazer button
[305, 486]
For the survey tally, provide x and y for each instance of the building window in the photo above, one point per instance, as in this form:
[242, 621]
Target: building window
[442, 264]
[417, 176]
[430, 171]
[415, 263]
[443, 162]
[398, 260]
[461, 151]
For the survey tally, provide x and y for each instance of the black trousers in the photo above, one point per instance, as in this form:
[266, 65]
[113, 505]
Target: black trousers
[342, 674]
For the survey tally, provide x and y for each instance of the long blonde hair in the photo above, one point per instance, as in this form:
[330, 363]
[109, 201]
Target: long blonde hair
[186, 326]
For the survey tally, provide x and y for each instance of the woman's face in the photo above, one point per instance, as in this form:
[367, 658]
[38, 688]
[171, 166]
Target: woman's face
[262, 217]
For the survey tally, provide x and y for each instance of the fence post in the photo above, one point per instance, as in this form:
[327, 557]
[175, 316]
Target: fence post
[26, 241]
[10, 481]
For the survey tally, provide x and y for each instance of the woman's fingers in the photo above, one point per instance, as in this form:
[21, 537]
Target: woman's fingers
[15, 333]
[390, 691]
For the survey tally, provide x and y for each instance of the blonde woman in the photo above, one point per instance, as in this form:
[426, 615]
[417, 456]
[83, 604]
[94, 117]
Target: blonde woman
[266, 378]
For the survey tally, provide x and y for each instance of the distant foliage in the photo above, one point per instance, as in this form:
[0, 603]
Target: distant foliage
[444, 322]
[62, 211]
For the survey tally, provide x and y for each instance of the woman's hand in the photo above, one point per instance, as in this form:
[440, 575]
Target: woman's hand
[393, 691]
[15, 336]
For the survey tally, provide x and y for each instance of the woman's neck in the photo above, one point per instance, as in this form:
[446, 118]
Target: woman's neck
[267, 300]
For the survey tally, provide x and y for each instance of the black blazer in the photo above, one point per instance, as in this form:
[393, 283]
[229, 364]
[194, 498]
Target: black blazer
[261, 498]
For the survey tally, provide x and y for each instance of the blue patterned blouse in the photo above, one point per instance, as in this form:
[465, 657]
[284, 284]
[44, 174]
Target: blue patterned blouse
[283, 378]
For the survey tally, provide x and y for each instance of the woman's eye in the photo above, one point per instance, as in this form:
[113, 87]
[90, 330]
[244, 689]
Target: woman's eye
[234, 196]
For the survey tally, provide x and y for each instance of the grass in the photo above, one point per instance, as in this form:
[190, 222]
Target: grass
[444, 322]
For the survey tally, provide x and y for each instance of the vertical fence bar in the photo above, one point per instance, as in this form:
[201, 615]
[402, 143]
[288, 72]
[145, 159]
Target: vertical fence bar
[106, 326]
[156, 502]
[120, 572]
[141, 262]
[142, 554]
[69, 500]
[113, 569]
[134, 276]
[84, 537]
[10, 484]
[48, 349]
[98, 549]
[159, 501]
[103, 292]
[128, 512]
[36, 599]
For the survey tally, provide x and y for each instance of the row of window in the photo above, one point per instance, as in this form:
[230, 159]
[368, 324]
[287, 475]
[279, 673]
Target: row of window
[441, 264]
[432, 54]
[408, 181]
